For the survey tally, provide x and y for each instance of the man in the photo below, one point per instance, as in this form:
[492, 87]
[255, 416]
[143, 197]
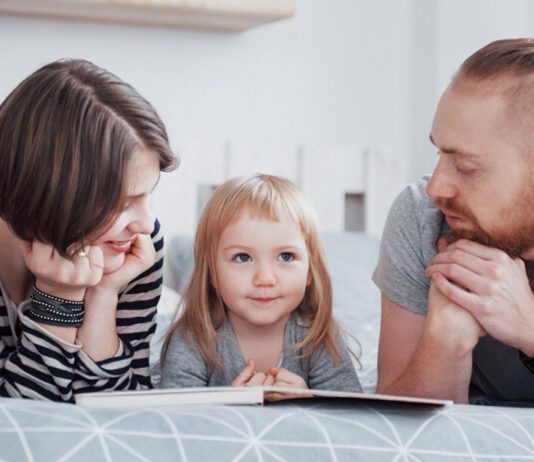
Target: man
[458, 248]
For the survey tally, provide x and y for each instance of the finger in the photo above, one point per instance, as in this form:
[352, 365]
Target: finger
[476, 249]
[78, 250]
[95, 261]
[467, 300]
[280, 374]
[520, 264]
[142, 255]
[462, 258]
[285, 378]
[274, 371]
[142, 246]
[269, 380]
[461, 276]
[95, 256]
[273, 397]
[442, 244]
[245, 375]
[256, 380]
[42, 250]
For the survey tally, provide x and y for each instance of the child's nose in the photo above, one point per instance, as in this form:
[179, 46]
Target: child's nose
[264, 276]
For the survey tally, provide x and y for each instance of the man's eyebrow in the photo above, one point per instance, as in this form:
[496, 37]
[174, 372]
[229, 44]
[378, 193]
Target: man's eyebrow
[446, 150]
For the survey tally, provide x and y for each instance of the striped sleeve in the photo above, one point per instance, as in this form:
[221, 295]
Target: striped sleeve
[41, 366]
[136, 324]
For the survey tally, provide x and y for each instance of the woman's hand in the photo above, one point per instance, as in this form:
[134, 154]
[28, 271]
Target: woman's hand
[63, 277]
[98, 333]
[141, 257]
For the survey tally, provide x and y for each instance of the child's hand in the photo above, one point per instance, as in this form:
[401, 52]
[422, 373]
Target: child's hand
[63, 277]
[248, 377]
[281, 377]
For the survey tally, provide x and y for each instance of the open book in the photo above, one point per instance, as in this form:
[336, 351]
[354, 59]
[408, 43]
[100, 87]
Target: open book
[226, 395]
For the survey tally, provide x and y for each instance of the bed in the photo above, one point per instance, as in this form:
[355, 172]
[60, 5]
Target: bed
[300, 430]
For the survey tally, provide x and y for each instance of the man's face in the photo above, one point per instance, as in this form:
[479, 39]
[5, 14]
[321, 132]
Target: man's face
[483, 182]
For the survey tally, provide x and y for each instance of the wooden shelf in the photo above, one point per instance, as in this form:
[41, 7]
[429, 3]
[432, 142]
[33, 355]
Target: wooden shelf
[231, 15]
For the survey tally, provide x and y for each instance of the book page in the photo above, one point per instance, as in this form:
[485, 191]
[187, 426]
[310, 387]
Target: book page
[355, 395]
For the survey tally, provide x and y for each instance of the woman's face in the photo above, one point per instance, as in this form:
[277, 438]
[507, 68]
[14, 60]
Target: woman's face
[136, 216]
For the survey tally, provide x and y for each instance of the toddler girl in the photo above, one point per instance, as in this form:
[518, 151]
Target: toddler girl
[258, 308]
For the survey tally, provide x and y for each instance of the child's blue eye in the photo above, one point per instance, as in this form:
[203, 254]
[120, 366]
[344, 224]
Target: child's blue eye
[242, 257]
[287, 256]
[126, 206]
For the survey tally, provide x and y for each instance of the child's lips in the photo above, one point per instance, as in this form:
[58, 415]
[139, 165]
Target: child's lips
[263, 300]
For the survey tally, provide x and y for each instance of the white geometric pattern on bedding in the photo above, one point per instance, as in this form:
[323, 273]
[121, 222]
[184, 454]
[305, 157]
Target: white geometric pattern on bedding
[297, 431]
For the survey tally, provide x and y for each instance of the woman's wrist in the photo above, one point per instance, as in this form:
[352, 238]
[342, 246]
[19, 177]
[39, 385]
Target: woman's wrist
[64, 292]
[55, 311]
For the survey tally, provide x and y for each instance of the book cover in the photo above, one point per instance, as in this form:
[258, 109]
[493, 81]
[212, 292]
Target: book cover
[227, 395]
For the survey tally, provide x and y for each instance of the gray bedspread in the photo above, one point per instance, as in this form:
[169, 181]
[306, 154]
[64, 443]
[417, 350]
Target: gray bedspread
[292, 431]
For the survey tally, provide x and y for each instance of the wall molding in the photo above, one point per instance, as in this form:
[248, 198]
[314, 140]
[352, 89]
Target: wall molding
[230, 15]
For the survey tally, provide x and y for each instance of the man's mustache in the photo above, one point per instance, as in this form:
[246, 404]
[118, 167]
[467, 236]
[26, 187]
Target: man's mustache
[453, 207]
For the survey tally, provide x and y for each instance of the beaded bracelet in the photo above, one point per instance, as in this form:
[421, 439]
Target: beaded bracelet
[55, 311]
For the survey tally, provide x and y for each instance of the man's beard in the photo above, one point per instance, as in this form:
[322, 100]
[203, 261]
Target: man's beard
[516, 236]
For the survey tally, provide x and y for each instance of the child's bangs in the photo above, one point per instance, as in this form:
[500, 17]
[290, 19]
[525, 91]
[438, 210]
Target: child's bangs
[272, 205]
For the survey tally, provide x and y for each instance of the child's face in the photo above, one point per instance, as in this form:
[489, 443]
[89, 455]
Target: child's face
[136, 217]
[262, 270]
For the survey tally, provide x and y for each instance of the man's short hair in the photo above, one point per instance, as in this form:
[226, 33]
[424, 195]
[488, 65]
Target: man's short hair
[510, 57]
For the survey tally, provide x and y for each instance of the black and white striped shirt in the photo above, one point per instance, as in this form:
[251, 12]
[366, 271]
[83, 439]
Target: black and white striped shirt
[36, 364]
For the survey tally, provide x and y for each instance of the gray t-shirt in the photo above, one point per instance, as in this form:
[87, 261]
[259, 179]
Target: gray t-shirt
[184, 365]
[408, 245]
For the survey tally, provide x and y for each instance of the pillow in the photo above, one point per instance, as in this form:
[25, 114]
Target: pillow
[352, 258]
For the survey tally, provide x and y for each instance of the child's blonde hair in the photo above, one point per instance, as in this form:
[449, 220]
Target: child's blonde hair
[266, 197]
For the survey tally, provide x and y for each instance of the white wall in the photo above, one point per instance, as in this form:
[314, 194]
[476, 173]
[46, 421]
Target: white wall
[341, 73]
[446, 32]
[334, 75]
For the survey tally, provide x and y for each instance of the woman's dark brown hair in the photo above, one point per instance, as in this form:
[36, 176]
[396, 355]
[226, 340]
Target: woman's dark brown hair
[67, 133]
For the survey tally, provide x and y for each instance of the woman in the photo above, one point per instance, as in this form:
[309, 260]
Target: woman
[80, 252]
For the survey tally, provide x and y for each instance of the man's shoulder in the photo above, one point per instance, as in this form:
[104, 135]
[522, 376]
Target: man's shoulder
[415, 210]
[415, 198]
[409, 243]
